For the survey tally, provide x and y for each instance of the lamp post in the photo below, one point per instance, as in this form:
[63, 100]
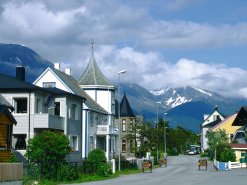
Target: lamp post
[119, 128]
[165, 135]
[157, 119]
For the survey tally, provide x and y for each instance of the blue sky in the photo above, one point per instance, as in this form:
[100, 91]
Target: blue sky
[160, 43]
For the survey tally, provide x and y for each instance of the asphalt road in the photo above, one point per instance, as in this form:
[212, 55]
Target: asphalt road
[181, 170]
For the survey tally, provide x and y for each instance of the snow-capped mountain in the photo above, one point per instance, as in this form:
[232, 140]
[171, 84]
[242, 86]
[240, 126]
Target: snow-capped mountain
[173, 97]
[185, 106]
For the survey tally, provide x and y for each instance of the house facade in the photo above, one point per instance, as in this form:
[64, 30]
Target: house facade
[94, 116]
[227, 126]
[209, 121]
[6, 129]
[37, 109]
[127, 131]
[239, 141]
[102, 91]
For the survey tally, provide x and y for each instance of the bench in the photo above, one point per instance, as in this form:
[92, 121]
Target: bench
[147, 165]
[163, 162]
[202, 162]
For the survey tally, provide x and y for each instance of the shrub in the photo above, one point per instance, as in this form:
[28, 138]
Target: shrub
[67, 172]
[227, 155]
[48, 151]
[103, 170]
[98, 160]
[96, 155]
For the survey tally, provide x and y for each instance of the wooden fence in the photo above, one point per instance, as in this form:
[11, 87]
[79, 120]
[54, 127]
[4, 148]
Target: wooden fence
[11, 171]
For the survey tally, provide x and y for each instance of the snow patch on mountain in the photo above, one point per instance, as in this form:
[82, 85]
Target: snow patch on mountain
[160, 92]
[203, 91]
[179, 100]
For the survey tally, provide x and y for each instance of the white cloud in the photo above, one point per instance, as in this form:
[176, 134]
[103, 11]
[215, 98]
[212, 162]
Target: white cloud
[126, 37]
[150, 70]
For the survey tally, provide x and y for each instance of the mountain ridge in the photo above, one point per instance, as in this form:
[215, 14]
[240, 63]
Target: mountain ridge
[184, 106]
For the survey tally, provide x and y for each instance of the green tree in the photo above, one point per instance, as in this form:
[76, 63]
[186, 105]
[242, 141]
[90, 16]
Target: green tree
[219, 147]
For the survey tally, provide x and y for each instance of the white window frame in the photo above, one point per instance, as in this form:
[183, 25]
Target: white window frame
[75, 148]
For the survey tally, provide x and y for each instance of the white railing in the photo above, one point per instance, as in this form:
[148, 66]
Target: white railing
[105, 129]
[233, 165]
[230, 165]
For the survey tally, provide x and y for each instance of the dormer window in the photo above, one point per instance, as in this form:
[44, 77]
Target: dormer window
[49, 84]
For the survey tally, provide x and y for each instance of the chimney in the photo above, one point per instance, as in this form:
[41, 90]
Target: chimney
[68, 71]
[57, 66]
[20, 73]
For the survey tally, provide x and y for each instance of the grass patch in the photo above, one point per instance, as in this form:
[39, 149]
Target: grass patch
[83, 178]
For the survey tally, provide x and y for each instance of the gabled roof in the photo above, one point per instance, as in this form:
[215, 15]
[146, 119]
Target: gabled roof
[225, 121]
[72, 84]
[125, 109]
[92, 75]
[5, 109]
[203, 124]
[213, 123]
[12, 84]
[241, 118]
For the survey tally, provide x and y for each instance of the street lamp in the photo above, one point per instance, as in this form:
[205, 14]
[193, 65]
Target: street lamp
[157, 119]
[119, 131]
[165, 134]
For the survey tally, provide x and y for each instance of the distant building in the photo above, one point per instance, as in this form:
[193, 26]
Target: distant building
[239, 140]
[127, 123]
[209, 122]
[226, 125]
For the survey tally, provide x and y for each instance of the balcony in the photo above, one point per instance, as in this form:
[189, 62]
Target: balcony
[43, 120]
[106, 129]
[48, 121]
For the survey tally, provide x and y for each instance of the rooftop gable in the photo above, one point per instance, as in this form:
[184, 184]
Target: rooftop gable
[241, 118]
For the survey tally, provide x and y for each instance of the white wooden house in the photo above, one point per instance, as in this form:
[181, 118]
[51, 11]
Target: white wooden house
[209, 121]
[37, 109]
[95, 117]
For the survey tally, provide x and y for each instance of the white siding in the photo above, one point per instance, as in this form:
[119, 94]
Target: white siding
[49, 76]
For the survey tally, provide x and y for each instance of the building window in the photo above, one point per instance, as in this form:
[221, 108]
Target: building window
[131, 125]
[91, 143]
[20, 105]
[38, 105]
[49, 84]
[123, 125]
[74, 142]
[123, 145]
[19, 141]
[57, 108]
[91, 119]
[74, 112]
[231, 137]
[131, 146]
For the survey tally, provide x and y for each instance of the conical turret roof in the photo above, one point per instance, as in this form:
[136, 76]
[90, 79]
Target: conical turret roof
[92, 75]
[125, 109]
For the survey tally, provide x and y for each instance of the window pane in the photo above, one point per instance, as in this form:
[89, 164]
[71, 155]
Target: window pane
[20, 105]
[123, 146]
[49, 84]
[123, 125]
